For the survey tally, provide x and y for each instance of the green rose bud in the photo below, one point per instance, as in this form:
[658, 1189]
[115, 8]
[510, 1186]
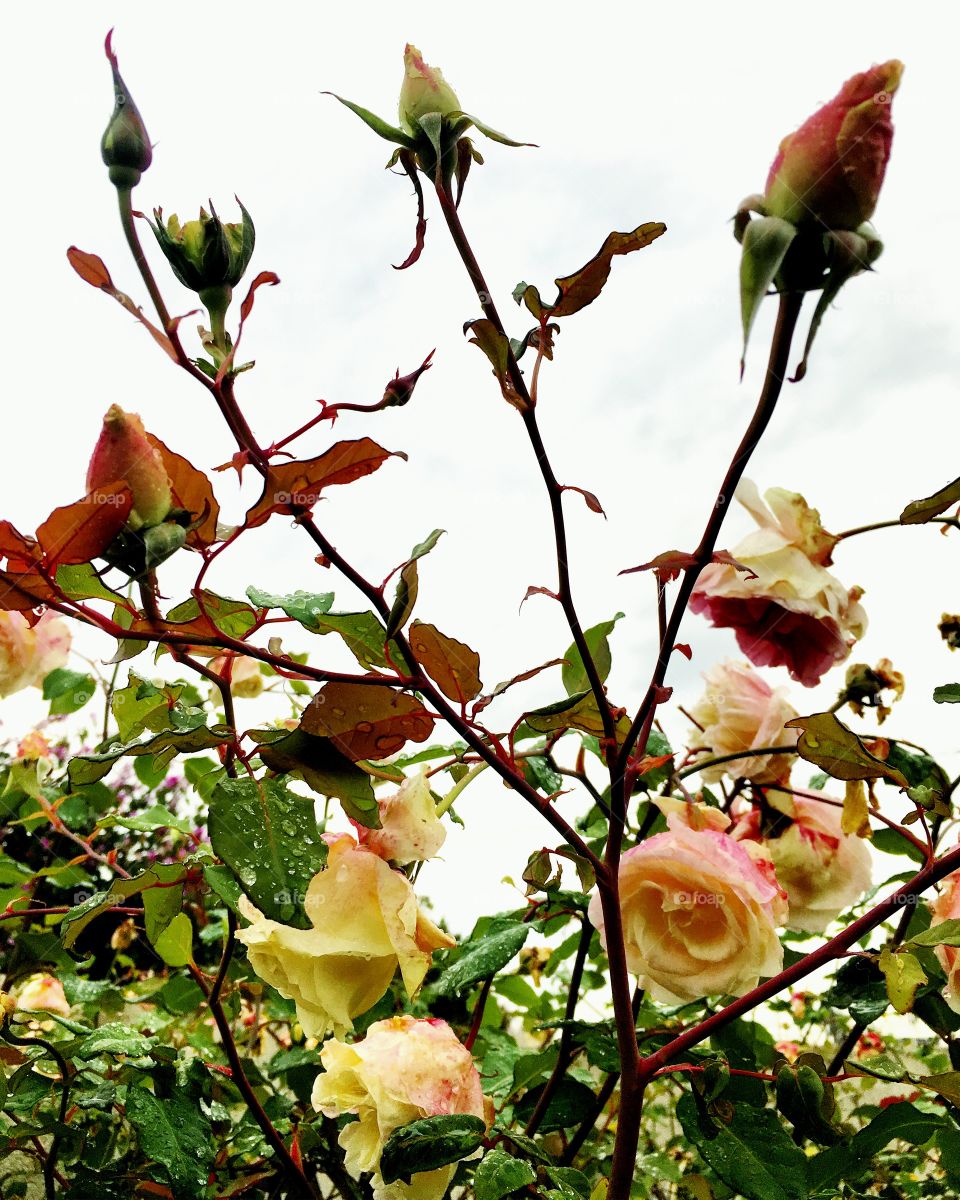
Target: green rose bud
[424, 91]
[125, 146]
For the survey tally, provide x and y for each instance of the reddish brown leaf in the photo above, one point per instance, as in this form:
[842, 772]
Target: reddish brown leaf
[14, 545]
[482, 703]
[20, 593]
[292, 487]
[650, 762]
[76, 533]
[246, 308]
[591, 501]
[192, 491]
[667, 565]
[366, 721]
[722, 556]
[452, 666]
[408, 164]
[538, 591]
[90, 268]
[684, 649]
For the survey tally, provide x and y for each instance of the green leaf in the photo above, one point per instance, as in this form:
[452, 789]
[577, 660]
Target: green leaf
[161, 901]
[904, 976]
[499, 1173]
[492, 134]
[232, 617]
[304, 607]
[324, 769]
[87, 768]
[753, 1155]
[134, 705]
[571, 1102]
[581, 288]
[574, 673]
[948, 693]
[901, 1121]
[67, 691]
[270, 839]
[578, 711]
[831, 746]
[944, 933]
[920, 511]
[806, 1101]
[362, 632]
[174, 1132]
[383, 128]
[428, 1144]
[405, 599]
[115, 1038]
[496, 347]
[859, 990]
[154, 817]
[80, 581]
[766, 241]
[482, 957]
[175, 943]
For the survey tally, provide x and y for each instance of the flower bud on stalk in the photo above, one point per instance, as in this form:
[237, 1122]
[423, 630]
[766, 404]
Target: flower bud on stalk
[125, 146]
[812, 231]
[209, 257]
[123, 452]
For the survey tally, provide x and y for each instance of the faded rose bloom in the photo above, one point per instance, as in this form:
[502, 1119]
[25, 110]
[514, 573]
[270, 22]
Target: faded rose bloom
[43, 993]
[946, 907]
[829, 171]
[865, 686]
[792, 612]
[122, 452]
[28, 655]
[410, 830]
[822, 869]
[424, 90]
[740, 711]
[698, 915]
[403, 1070]
[692, 813]
[246, 678]
[366, 923]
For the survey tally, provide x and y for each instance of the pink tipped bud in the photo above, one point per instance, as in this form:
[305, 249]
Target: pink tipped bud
[424, 91]
[123, 452]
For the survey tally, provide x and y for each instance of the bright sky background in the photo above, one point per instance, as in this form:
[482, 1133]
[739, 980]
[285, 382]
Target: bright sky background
[640, 113]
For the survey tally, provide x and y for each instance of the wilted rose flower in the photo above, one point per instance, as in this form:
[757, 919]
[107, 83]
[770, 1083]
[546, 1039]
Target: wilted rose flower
[698, 915]
[403, 1070]
[946, 907]
[822, 869]
[366, 923]
[791, 612]
[246, 678]
[829, 171]
[28, 655]
[424, 90]
[410, 830]
[43, 993]
[123, 452]
[740, 711]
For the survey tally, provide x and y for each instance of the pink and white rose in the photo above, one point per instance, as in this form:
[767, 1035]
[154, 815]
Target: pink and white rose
[403, 1070]
[740, 711]
[410, 830]
[366, 923]
[43, 993]
[790, 611]
[946, 907]
[28, 655]
[699, 914]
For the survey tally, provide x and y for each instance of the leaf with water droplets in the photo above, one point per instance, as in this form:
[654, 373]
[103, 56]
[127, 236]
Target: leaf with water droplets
[452, 666]
[366, 720]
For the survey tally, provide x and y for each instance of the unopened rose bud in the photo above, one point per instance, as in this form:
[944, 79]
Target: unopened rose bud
[124, 453]
[424, 91]
[829, 172]
[399, 389]
[125, 146]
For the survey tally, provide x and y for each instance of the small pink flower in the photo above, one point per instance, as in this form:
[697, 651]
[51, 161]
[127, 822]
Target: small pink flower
[791, 611]
[828, 173]
[740, 711]
[698, 915]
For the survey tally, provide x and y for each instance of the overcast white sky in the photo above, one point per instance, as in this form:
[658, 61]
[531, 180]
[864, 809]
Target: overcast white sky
[640, 113]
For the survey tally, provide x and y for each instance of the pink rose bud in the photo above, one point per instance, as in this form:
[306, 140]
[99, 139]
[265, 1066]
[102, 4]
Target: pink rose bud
[829, 172]
[124, 453]
[424, 91]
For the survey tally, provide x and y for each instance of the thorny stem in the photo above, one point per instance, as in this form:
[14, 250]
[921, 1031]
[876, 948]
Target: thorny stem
[291, 1169]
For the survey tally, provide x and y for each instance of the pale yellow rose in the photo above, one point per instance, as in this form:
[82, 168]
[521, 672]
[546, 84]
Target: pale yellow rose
[43, 993]
[246, 678]
[946, 907]
[740, 711]
[403, 1070]
[698, 914]
[424, 90]
[28, 655]
[366, 923]
[410, 830]
[822, 869]
[790, 611]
